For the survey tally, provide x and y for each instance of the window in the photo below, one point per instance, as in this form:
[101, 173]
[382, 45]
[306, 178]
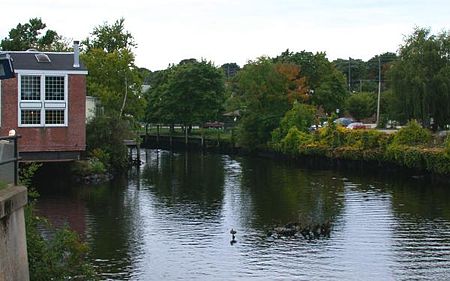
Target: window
[54, 117]
[42, 100]
[30, 116]
[54, 88]
[30, 88]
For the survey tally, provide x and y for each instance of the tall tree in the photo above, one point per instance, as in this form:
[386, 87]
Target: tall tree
[111, 37]
[113, 76]
[421, 77]
[361, 105]
[230, 69]
[326, 84]
[33, 35]
[189, 93]
[267, 90]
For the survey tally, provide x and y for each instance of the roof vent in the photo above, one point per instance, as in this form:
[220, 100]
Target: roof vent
[32, 50]
[41, 57]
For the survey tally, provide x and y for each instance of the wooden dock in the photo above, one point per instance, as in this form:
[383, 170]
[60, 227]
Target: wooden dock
[133, 145]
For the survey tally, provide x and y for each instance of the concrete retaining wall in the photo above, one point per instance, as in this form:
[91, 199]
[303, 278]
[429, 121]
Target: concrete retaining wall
[13, 244]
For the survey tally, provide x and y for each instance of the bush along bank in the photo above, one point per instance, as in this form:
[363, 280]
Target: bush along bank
[412, 147]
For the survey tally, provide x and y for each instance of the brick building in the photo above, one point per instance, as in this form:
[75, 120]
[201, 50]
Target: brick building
[45, 104]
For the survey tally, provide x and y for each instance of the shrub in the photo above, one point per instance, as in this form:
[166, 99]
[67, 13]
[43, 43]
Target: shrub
[58, 256]
[447, 145]
[412, 134]
[332, 135]
[294, 138]
[104, 138]
[300, 116]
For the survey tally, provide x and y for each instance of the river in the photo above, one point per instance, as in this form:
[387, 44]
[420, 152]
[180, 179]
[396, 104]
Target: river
[171, 220]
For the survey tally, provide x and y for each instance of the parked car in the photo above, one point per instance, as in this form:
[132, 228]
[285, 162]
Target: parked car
[343, 121]
[356, 126]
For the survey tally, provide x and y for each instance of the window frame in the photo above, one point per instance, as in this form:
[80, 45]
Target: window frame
[42, 104]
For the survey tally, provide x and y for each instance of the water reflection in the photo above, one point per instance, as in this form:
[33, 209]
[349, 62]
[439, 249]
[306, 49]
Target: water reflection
[172, 220]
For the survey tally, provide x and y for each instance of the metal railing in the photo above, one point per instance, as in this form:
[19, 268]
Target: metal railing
[15, 158]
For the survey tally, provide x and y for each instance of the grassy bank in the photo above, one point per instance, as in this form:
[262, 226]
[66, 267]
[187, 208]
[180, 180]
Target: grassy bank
[411, 147]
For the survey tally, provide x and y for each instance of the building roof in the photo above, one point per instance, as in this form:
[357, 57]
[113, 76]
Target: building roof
[60, 61]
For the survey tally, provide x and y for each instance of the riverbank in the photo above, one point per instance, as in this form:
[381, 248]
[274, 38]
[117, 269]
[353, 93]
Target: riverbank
[411, 151]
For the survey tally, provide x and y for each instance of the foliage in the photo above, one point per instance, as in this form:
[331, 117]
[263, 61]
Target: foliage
[88, 167]
[266, 90]
[332, 135]
[230, 69]
[364, 75]
[402, 149]
[29, 36]
[412, 134]
[447, 145]
[27, 171]
[3, 184]
[324, 82]
[113, 76]
[360, 105]
[61, 257]
[295, 138]
[189, 93]
[110, 38]
[104, 139]
[57, 255]
[300, 116]
[421, 78]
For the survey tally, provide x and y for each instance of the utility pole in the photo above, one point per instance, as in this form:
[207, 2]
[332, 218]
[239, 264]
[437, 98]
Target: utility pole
[349, 73]
[379, 91]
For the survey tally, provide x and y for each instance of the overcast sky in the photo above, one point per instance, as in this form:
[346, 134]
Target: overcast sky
[168, 31]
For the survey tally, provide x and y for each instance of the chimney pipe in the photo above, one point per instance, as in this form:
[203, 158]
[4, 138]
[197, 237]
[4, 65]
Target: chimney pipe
[76, 54]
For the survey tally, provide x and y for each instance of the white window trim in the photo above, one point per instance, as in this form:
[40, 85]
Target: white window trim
[41, 103]
[1, 105]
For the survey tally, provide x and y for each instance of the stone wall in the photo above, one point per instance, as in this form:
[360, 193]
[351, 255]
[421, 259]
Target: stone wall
[13, 244]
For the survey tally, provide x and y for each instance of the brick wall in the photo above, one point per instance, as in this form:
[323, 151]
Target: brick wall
[41, 139]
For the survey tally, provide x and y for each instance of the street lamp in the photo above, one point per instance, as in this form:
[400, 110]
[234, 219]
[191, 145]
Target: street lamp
[6, 67]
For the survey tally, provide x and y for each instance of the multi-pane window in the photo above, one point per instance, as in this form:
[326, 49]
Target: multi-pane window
[54, 88]
[31, 116]
[30, 88]
[54, 117]
[43, 100]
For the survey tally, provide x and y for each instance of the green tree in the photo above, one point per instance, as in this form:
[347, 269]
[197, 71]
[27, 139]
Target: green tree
[110, 38]
[113, 76]
[33, 35]
[230, 69]
[301, 116]
[267, 90]
[357, 69]
[361, 105]
[191, 92]
[421, 77]
[104, 138]
[326, 84]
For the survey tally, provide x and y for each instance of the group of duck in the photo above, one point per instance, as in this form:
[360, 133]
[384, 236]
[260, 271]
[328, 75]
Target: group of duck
[307, 231]
[295, 229]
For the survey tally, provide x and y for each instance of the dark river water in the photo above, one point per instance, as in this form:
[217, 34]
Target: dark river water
[171, 220]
